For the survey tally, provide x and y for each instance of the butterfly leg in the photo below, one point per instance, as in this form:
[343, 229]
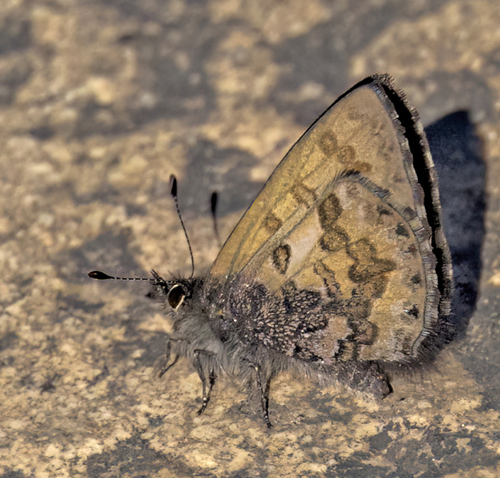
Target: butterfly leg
[167, 364]
[201, 358]
[264, 387]
[264, 396]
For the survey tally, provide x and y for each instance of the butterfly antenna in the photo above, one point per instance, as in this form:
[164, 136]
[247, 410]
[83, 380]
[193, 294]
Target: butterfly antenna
[213, 208]
[173, 192]
[99, 275]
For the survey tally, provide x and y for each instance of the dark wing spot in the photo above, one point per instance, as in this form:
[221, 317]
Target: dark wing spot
[409, 213]
[329, 211]
[302, 194]
[412, 249]
[364, 331]
[416, 279]
[369, 269]
[281, 258]
[413, 311]
[272, 222]
[328, 276]
[406, 345]
[401, 231]
[334, 239]
[383, 211]
[328, 143]
[347, 154]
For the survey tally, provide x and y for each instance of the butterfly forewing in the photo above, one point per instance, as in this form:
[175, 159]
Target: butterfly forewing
[336, 251]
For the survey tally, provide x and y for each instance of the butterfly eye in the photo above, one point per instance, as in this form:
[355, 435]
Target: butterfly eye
[176, 296]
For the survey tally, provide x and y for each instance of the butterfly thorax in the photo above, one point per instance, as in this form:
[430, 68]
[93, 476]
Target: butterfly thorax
[191, 330]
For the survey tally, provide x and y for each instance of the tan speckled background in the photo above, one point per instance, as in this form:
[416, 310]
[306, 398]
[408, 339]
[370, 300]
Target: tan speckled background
[100, 101]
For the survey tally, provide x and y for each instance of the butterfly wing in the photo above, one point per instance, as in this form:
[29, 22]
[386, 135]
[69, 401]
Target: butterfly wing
[336, 259]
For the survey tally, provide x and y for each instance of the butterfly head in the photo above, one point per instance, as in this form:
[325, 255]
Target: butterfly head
[175, 293]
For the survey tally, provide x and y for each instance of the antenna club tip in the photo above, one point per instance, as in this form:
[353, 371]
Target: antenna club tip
[99, 275]
[213, 202]
[173, 185]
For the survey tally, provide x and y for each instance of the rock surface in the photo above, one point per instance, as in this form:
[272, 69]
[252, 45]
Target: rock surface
[100, 102]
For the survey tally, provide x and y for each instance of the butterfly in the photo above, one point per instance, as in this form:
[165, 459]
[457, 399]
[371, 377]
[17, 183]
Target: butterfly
[339, 269]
